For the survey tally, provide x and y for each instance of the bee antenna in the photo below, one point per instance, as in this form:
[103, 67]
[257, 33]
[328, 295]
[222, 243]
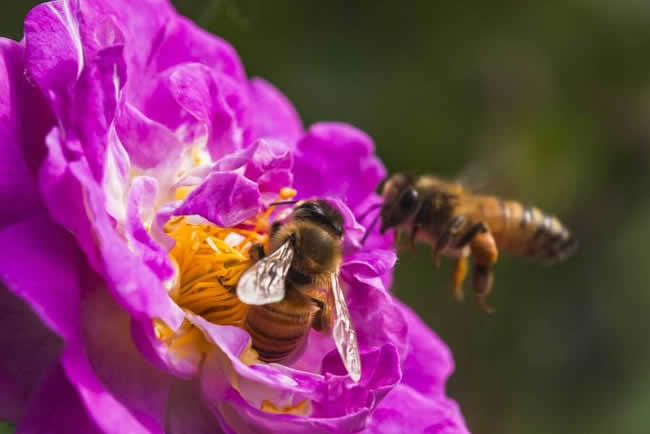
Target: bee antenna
[368, 211]
[284, 202]
[370, 228]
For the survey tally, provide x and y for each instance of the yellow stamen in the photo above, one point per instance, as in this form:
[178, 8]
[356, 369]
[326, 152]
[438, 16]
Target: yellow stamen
[303, 408]
[208, 268]
[210, 260]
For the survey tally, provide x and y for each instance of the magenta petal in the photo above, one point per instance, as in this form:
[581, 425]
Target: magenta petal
[53, 291]
[141, 202]
[186, 413]
[258, 382]
[237, 416]
[353, 230]
[216, 102]
[405, 410]
[54, 51]
[380, 373]
[428, 362]
[269, 155]
[107, 412]
[59, 178]
[149, 143]
[31, 349]
[270, 166]
[377, 319]
[224, 198]
[18, 185]
[56, 408]
[84, 213]
[157, 353]
[138, 386]
[335, 159]
[236, 159]
[275, 116]
[369, 212]
[185, 42]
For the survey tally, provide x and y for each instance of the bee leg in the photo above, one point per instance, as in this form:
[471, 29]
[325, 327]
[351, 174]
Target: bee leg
[407, 243]
[323, 318]
[256, 252]
[445, 238]
[412, 236]
[470, 234]
[460, 272]
[485, 253]
[274, 228]
[482, 280]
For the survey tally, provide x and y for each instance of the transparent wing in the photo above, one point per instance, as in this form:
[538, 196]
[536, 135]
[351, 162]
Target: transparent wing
[343, 332]
[263, 283]
[492, 172]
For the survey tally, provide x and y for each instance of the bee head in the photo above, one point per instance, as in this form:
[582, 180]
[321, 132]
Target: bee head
[400, 201]
[322, 214]
[319, 235]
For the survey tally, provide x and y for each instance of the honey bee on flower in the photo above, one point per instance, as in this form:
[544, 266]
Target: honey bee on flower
[142, 162]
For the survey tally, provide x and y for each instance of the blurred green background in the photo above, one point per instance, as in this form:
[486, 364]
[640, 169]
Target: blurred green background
[550, 102]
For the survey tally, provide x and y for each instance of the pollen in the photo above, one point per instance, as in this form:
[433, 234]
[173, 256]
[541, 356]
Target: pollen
[209, 261]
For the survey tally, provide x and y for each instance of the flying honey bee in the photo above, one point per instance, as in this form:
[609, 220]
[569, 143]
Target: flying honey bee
[458, 223]
[296, 287]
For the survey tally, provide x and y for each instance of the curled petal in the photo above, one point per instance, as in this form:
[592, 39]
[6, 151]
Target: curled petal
[269, 155]
[375, 315]
[185, 42]
[184, 365]
[84, 214]
[149, 143]
[353, 230]
[224, 198]
[55, 56]
[201, 106]
[117, 170]
[141, 201]
[238, 416]
[405, 410]
[270, 166]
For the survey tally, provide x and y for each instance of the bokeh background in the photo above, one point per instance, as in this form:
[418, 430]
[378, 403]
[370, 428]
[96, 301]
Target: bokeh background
[545, 102]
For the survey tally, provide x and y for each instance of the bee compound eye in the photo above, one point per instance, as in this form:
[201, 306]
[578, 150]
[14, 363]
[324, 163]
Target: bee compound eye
[408, 199]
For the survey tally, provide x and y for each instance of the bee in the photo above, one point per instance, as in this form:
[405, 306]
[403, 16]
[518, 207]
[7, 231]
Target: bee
[458, 223]
[296, 287]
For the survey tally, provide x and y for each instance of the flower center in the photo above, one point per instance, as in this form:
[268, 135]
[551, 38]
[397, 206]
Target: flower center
[210, 261]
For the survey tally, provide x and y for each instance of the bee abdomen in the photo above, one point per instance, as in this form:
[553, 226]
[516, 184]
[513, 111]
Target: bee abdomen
[276, 330]
[526, 231]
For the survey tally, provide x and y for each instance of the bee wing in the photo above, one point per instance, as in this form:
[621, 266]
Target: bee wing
[263, 283]
[343, 332]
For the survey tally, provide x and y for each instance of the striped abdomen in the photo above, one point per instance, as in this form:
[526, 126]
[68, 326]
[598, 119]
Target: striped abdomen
[279, 329]
[525, 230]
